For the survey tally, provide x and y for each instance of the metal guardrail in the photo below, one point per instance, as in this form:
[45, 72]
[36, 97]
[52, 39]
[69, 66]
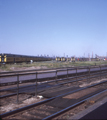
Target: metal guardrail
[76, 68]
[56, 76]
[36, 74]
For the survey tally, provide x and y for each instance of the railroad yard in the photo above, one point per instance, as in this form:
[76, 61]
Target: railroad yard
[53, 59]
[53, 93]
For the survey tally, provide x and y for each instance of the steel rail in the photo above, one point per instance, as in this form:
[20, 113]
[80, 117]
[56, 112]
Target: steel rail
[52, 86]
[44, 101]
[73, 81]
[31, 80]
[40, 78]
[12, 94]
[54, 81]
[61, 79]
[72, 106]
[43, 72]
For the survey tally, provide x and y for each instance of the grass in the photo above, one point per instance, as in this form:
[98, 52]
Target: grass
[50, 64]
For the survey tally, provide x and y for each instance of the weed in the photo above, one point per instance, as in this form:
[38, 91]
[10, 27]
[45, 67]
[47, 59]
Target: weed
[50, 64]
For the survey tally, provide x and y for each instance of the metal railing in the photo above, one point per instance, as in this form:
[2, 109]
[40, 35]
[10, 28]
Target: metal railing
[87, 69]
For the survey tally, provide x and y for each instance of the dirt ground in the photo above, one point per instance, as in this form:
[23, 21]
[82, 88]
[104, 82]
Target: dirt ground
[23, 68]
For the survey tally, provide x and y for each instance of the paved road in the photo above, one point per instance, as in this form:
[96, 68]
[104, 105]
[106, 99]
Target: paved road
[44, 75]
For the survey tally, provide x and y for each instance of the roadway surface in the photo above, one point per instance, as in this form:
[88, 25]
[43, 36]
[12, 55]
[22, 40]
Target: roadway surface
[41, 75]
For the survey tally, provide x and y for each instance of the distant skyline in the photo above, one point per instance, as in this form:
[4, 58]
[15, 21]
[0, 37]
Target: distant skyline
[53, 27]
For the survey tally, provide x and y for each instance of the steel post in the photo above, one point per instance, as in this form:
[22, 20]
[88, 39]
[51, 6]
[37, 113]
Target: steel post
[17, 88]
[89, 74]
[76, 77]
[36, 85]
[76, 73]
[67, 73]
[100, 72]
[56, 77]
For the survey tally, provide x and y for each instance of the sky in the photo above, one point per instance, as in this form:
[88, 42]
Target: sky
[53, 27]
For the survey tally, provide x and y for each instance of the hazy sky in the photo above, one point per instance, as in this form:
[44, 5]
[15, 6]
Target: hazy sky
[53, 27]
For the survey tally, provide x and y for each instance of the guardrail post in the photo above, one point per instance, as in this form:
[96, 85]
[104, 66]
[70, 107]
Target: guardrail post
[76, 73]
[36, 85]
[76, 77]
[17, 88]
[67, 73]
[89, 74]
[100, 72]
[56, 76]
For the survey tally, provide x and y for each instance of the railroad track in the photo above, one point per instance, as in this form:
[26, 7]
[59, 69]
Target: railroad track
[24, 77]
[62, 84]
[58, 105]
[35, 70]
[57, 82]
[54, 83]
